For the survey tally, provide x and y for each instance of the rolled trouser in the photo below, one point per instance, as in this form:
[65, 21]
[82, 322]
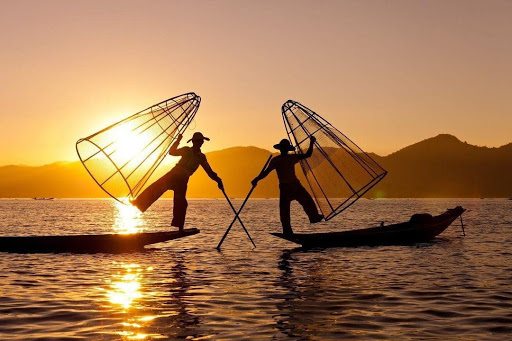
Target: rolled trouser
[176, 179]
[284, 210]
[294, 191]
[179, 209]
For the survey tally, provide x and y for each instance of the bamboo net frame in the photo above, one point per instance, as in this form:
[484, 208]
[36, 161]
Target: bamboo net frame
[339, 172]
[122, 157]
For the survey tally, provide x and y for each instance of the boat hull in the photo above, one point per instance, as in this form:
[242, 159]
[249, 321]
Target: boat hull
[413, 231]
[108, 243]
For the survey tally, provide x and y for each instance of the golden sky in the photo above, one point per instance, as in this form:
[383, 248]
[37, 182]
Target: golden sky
[386, 73]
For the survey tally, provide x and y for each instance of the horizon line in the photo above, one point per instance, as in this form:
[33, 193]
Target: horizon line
[270, 151]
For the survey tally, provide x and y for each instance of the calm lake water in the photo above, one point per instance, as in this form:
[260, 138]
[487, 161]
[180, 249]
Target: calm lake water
[454, 288]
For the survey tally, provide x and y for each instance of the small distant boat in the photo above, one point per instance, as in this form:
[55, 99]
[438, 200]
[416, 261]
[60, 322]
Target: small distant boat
[420, 228]
[43, 198]
[107, 243]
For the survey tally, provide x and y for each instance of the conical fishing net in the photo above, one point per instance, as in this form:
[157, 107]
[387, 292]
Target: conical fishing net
[338, 172]
[122, 157]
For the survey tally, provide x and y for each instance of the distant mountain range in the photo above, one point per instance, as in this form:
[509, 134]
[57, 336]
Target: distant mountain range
[440, 166]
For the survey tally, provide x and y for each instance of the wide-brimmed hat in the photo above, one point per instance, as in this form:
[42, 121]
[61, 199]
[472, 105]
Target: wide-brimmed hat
[284, 145]
[198, 136]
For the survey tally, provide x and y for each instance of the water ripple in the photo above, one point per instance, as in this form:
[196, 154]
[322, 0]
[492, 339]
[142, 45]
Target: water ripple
[452, 288]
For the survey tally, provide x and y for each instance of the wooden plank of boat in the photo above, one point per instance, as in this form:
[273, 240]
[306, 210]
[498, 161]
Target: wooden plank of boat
[418, 229]
[109, 243]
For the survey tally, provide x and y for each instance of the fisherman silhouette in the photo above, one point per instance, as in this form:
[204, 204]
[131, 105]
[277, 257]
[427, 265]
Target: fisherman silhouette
[290, 187]
[177, 179]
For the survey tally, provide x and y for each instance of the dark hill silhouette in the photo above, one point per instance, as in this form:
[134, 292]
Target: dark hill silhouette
[441, 166]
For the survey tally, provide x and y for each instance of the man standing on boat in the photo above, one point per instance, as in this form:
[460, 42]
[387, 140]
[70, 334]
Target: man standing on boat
[177, 179]
[290, 187]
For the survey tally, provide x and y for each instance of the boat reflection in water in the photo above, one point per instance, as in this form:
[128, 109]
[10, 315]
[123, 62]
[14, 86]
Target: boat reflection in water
[292, 321]
[182, 322]
[128, 219]
[306, 307]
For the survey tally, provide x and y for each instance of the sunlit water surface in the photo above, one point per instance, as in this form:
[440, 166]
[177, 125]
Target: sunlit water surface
[454, 288]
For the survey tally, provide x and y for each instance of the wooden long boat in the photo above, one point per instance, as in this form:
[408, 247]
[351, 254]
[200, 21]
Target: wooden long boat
[108, 243]
[420, 228]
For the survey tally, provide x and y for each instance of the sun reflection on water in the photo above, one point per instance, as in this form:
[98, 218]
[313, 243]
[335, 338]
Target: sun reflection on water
[125, 294]
[128, 219]
[126, 289]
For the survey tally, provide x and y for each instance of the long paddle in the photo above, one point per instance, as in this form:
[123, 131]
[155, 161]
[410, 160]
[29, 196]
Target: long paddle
[241, 207]
[240, 220]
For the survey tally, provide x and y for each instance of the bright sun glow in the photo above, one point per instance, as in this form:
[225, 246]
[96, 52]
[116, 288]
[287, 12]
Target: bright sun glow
[128, 144]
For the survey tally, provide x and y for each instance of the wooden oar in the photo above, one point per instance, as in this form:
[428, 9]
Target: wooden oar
[236, 216]
[241, 207]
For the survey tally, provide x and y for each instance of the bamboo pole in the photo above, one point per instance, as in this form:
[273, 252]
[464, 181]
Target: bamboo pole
[241, 207]
[237, 216]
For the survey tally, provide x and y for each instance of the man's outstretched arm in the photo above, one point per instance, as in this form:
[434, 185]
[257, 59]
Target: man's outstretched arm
[208, 169]
[264, 174]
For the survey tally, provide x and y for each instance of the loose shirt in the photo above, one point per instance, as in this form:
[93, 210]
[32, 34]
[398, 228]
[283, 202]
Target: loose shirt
[191, 160]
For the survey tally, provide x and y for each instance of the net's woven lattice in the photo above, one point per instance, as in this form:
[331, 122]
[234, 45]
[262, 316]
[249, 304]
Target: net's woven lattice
[338, 172]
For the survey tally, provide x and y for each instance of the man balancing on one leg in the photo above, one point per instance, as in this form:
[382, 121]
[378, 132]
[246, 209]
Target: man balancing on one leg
[289, 186]
[177, 179]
